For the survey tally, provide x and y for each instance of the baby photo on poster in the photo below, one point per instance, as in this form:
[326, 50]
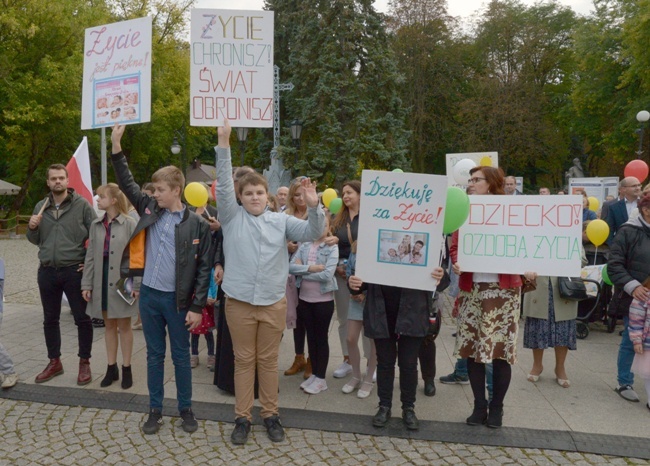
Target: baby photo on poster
[398, 247]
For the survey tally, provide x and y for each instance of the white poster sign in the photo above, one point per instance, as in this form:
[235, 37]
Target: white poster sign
[117, 74]
[489, 159]
[599, 188]
[400, 228]
[517, 234]
[231, 68]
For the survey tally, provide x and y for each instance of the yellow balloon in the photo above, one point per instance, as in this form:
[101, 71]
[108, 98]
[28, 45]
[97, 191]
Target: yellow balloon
[196, 194]
[593, 203]
[597, 231]
[328, 195]
[485, 161]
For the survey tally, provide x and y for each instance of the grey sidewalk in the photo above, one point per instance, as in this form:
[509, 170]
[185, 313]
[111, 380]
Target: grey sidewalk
[587, 417]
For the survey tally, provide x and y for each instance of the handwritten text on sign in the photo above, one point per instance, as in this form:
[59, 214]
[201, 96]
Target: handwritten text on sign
[117, 74]
[231, 68]
[400, 228]
[515, 234]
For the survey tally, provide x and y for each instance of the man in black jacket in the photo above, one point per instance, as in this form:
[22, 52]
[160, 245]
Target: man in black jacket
[175, 267]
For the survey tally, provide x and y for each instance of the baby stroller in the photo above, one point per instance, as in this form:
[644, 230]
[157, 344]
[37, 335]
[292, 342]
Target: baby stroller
[592, 276]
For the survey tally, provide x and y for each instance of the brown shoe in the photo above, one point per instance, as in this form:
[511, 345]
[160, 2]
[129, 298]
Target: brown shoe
[298, 365]
[84, 372]
[54, 368]
[308, 372]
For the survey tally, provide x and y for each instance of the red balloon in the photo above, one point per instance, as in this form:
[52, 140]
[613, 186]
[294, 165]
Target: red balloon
[213, 189]
[638, 169]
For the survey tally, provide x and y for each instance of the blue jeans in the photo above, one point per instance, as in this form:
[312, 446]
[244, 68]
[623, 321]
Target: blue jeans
[625, 357]
[157, 311]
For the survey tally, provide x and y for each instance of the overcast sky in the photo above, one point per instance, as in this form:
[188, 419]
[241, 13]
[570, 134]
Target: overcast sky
[463, 8]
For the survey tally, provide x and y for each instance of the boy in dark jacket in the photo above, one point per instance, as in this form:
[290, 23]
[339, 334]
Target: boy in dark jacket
[170, 250]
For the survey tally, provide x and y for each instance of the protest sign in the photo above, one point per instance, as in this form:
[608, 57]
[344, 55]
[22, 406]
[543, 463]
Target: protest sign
[400, 228]
[117, 74]
[487, 159]
[517, 234]
[596, 187]
[231, 68]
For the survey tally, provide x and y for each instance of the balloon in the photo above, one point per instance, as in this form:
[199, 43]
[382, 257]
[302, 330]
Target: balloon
[606, 278]
[593, 203]
[638, 169]
[461, 171]
[335, 205]
[213, 189]
[456, 209]
[328, 195]
[196, 194]
[485, 161]
[597, 231]
[398, 170]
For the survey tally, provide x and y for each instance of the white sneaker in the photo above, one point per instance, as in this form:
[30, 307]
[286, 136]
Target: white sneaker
[10, 380]
[307, 382]
[344, 369]
[317, 386]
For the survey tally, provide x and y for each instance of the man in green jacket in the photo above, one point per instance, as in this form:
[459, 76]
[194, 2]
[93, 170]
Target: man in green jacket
[59, 227]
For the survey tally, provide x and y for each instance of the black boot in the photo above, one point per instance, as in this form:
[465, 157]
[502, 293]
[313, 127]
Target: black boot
[112, 373]
[127, 377]
[429, 387]
[495, 417]
[480, 414]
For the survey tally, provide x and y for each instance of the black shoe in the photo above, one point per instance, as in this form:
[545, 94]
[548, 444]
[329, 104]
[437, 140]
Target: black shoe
[98, 323]
[410, 419]
[112, 374]
[495, 417]
[153, 422]
[127, 377]
[382, 417]
[189, 423]
[274, 428]
[429, 387]
[479, 415]
[239, 434]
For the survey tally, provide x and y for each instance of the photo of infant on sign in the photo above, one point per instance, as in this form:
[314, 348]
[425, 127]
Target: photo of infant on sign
[397, 247]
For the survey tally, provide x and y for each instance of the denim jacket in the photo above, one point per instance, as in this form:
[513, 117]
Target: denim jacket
[327, 256]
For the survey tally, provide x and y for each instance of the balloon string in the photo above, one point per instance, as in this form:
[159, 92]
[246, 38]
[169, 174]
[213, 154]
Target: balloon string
[596, 255]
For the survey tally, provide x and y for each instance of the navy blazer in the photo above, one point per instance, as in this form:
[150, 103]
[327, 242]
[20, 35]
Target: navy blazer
[616, 216]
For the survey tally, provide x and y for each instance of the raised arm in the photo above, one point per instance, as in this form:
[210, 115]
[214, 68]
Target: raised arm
[226, 198]
[123, 175]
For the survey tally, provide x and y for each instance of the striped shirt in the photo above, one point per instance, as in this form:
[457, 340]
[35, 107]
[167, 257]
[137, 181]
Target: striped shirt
[160, 259]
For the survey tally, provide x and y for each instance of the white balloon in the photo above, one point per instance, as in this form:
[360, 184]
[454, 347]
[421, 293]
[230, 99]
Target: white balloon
[461, 171]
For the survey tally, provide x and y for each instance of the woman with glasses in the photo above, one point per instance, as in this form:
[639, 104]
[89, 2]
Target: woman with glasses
[488, 306]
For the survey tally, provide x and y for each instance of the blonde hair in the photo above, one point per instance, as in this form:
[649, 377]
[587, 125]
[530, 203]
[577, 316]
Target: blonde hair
[171, 175]
[292, 208]
[113, 191]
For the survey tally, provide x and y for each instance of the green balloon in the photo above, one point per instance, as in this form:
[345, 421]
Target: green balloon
[335, 205]
[606, 278]
[398, 170]
[456, 210]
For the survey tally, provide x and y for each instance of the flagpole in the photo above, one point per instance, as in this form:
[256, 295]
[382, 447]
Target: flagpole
[104, 176]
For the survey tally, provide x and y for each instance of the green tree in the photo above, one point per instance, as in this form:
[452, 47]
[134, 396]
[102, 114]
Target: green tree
[347, 90]
[431, 57]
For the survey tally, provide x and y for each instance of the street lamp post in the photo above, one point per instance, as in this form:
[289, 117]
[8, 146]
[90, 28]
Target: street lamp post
[296, 132]
[176, 147]
[242, 135]
[642, 117]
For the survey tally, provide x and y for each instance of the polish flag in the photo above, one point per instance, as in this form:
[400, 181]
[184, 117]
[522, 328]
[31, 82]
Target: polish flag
[79, 172]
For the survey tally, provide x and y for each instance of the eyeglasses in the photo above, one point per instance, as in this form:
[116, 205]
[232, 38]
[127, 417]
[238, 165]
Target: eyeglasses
[475, 180]
[633, 186]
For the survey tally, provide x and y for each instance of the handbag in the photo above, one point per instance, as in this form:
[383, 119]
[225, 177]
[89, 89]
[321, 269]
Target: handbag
[572, 289]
